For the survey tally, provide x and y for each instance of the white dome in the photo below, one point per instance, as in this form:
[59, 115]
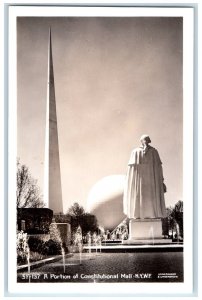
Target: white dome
[105, 201]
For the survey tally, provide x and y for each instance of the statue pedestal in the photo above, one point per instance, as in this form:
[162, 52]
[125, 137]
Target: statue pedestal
[145, 229]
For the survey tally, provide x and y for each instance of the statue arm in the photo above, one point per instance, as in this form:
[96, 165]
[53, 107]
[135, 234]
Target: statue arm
[161, 171]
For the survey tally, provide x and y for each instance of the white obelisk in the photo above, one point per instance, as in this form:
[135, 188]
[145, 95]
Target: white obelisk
[52, 178]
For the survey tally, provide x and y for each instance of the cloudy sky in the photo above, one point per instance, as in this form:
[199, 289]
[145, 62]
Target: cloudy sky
[115, 79]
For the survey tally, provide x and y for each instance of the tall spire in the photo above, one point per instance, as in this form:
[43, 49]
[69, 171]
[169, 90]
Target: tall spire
[52, 178]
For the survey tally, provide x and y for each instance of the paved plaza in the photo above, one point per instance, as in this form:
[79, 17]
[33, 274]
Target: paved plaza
[110, 267]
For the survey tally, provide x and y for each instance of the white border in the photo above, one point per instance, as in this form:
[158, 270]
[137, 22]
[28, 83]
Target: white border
[103, 288]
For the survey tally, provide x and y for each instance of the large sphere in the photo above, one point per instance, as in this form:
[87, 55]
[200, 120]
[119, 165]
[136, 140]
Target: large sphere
[105, 201]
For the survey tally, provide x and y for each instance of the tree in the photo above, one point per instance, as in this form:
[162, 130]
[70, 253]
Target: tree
[177, 215]
[88, 223]
[76, 210]
[171, 219]
[54, 232]
[174, 219]
[28, 193]
[165, 223]
[79, 217]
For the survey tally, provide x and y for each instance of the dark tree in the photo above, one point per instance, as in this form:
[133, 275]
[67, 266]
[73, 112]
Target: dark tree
[177, 214]
[174, 218]
[87, 221]
[166, 222]
[37, 220]
[28, 193]
[76, 210]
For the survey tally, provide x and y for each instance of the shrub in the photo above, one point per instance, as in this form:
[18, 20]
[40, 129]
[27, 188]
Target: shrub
[36, 244]
[22, 247]
[21, 260]
[35, 256]
[51, 248]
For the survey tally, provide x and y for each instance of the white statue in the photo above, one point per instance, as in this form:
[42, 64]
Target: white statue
[144, 187]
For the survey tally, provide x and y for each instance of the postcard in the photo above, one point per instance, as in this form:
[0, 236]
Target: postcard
[101, 150]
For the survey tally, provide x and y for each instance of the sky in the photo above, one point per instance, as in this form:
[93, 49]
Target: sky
[115, 79]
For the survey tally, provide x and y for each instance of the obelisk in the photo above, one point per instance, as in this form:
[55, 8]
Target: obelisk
[52, 178]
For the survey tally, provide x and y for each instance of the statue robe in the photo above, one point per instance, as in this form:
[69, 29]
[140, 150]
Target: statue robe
[144, 192]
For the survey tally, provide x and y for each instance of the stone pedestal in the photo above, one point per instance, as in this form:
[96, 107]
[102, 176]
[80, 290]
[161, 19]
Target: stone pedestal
[140, 229]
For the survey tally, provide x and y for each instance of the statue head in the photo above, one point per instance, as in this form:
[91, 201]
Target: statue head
[145, 139]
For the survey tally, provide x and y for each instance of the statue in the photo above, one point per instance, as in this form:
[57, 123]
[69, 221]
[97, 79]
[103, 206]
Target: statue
[144, 186]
